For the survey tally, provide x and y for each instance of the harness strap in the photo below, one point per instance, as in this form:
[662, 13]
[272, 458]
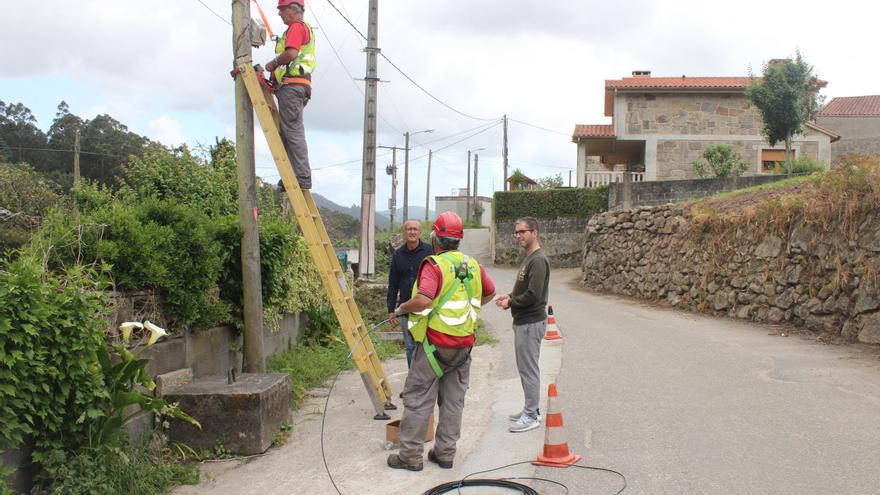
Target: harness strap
[297, 80]
[460, 277]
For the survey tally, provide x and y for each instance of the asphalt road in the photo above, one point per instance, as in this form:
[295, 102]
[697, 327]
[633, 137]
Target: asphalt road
[681, 403]
[678, 403]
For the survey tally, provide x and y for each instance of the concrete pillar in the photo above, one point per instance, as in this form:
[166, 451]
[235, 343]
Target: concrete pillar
[651, 159]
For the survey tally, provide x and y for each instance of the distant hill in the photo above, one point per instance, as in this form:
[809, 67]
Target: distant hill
[354, 211]
[415, 212]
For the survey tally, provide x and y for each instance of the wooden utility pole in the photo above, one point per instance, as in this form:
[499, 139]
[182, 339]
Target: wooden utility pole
[467, 199]
[247, 197]
[406, 177]
[504, 152]
[476, 168]
[428, 187]
[76, 173]
[367, 253]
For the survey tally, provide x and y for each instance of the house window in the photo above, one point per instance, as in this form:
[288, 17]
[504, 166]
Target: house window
[773, 161]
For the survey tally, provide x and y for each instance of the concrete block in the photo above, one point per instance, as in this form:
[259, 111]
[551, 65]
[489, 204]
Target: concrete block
[244, 416]
[168, 382]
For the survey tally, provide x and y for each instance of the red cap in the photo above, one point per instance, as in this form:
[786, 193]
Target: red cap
[285, 3]
[448, 224]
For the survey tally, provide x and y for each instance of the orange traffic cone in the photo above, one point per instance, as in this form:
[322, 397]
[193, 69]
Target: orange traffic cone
[556, 452]
[552, 332]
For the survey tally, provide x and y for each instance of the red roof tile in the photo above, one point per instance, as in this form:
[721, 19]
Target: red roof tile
[680, 83]
[593, 131]
[852, 106]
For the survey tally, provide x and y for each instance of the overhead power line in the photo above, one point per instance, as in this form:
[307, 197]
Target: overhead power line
[215, 13]
[404, 74]
[457, 142]
[539, 127]
[63, 151]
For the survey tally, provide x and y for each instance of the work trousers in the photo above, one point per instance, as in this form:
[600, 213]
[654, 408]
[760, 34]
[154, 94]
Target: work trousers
[291, 101]
[527, 341]
[422, 390]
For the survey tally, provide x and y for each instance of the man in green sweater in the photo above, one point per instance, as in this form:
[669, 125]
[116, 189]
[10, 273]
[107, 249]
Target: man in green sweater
[528, 305]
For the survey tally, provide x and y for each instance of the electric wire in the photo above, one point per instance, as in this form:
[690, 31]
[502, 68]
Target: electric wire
[404, 74]
[25, 148]
[345, 67]
[457, 142]
[539, 127]
[215, 13]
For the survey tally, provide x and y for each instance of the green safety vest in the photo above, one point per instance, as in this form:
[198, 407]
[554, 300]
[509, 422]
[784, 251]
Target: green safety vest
[304, 63]
[454, 310]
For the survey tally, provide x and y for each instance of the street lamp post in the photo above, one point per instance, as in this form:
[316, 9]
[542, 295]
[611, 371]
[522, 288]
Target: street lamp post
[467, 199]
[406, 135]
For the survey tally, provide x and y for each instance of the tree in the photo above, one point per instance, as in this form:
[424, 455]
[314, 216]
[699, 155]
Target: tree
[20, 138]
[517, 179]
[787, 97]
[551, 182]
[720, 160]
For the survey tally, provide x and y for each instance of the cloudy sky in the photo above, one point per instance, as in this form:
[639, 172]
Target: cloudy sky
[161, 67]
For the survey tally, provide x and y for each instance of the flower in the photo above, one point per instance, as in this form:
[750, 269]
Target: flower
[156, 332]
[127, 327]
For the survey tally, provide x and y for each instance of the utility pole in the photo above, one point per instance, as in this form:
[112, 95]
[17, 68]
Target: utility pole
[247, 197]
[76, 178]
[504, 152]
[393, 209]
[476, 167]
[367, 253]
[569, 178]
[406, 177]
[467, 201]
[428, 187]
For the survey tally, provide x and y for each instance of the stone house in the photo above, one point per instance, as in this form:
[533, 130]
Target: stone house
[857, 120]
[660, 125]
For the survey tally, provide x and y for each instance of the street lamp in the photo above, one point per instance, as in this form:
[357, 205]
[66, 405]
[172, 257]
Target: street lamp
[406, 135]
[467, 201]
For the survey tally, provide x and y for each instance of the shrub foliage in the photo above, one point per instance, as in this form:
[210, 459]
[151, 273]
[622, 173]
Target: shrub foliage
[550, 203]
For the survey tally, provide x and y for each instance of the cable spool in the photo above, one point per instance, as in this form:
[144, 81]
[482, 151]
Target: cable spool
[456, 485]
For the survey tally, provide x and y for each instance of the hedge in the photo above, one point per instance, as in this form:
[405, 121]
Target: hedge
[550, 203]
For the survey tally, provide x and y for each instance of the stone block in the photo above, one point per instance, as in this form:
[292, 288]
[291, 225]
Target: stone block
[167, 382]
[244, 416]
[869, 328]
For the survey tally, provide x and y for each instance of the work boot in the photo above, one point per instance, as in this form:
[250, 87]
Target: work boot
[433, 458]
[395, 462]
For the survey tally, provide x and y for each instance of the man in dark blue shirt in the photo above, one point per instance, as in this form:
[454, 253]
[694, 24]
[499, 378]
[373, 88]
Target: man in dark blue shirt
[402, 275]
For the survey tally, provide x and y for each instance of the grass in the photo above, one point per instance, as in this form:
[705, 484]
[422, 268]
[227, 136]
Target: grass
[760, 187]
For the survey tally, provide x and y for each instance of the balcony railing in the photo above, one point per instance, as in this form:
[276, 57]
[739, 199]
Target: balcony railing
[596, 179]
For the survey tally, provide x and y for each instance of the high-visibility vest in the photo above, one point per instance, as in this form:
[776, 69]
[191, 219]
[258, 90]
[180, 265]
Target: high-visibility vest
[456, 313]
[304, 63]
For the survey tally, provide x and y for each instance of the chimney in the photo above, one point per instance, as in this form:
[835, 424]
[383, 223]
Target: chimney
[641, 73]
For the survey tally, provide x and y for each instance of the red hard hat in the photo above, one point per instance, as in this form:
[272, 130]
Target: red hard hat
[285, 3]
[448, 224]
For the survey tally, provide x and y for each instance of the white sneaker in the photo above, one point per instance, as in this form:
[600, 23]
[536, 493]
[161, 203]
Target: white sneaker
[516, 416]
[525, 423]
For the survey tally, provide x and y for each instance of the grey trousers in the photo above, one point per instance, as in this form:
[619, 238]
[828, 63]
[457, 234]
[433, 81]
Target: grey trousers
[527, 341]
[422, 390]
[291, 101]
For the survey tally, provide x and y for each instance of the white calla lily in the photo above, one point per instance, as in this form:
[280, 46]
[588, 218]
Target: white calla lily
[156, 332]
[127, 327]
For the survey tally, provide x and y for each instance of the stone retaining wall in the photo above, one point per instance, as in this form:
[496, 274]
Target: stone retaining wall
[655, 253]
[654, 193]
[562, 240]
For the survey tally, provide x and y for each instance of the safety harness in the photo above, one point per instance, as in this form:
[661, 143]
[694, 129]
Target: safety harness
[462, 274]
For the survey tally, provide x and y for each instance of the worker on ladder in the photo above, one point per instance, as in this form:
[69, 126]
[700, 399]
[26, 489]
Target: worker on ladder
[291, 71]
[449, 291]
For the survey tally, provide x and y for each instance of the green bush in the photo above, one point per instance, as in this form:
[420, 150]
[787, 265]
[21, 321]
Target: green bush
[133, 469]
[550, 203]
[50, 328]
[25, 194]
[805, 165]
[720, 160]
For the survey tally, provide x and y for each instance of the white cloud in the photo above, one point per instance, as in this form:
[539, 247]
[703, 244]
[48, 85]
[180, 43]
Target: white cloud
[542, 63]
[166, 130]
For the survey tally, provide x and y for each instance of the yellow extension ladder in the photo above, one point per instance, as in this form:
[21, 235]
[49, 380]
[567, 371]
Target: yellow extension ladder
[321, 249]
